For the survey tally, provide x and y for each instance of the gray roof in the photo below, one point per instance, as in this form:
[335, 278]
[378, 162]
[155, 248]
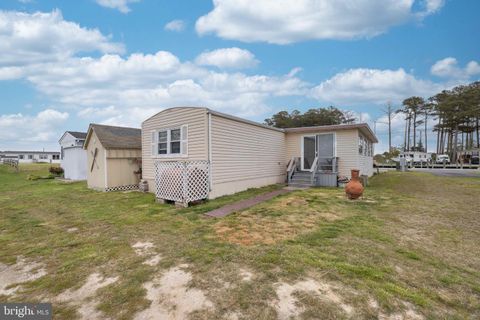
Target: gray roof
[78, 135]
[363, 127]
[116, 137]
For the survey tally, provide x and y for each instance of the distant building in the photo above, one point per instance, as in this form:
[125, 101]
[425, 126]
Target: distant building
[73, 156]
[32, 156]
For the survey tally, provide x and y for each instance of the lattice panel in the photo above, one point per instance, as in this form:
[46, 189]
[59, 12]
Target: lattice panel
[182, 181]
[123, 188]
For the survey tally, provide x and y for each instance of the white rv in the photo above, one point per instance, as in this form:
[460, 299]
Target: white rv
[416, 157]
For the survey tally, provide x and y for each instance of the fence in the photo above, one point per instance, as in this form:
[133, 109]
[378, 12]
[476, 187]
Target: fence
[11, 162]
[182, 181]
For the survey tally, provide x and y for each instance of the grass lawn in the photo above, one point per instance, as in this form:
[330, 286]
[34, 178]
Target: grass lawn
[410, 249]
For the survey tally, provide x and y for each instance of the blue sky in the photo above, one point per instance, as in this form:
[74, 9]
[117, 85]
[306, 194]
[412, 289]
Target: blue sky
[64, 64]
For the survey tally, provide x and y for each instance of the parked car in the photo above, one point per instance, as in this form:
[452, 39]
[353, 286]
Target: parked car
[443, 158]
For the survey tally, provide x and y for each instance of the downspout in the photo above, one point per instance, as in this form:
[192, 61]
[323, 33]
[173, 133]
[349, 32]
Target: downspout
[210, 150]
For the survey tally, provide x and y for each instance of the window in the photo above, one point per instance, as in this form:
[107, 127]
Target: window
[55, 157]
[20, 156]
[30, 156]
[170, 142]
[43, 156]
[163, 142]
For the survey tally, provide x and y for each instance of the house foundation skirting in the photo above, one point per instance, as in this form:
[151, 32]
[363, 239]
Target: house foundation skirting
[122, 188]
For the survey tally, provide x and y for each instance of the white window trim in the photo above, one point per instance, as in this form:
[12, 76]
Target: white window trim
[183, 143]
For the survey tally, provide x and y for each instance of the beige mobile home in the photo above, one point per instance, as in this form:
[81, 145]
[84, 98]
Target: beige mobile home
[113, 157]
[196, 153]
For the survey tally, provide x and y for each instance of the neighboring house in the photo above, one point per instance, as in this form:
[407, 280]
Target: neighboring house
[193, 153]
[73, 156]
[32, 156]
[113, 156]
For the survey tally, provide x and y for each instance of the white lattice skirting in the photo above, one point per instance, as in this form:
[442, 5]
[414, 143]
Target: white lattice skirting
[182, 181]
[123, 188]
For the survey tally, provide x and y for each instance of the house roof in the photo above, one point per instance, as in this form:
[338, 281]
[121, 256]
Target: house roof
[75, 134]
[115, 137]
[362, 127]
[78, 135]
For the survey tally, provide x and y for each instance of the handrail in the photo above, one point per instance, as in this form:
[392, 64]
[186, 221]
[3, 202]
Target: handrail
[291, 168]
[313, 169]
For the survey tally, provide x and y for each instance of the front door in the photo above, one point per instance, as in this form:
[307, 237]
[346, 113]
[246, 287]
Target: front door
[321, 145]
[309, 151]
[325, 151]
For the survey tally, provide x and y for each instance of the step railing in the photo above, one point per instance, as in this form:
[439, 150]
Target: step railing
[292, 167]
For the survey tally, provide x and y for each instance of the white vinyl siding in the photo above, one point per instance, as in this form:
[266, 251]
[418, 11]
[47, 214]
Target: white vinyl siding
[194, 137]
[242, 151]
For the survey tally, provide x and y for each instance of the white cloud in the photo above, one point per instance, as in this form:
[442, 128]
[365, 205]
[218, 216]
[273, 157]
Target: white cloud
[40, 37]
[357, 86]
[119, 87]
[288, 21]
[175, 25]
[120, 5]
[40, 128]
[234, 58]
[448, 68]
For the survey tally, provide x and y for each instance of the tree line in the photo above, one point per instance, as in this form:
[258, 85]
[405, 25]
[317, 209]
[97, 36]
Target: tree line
[457, 116]
[310, 118]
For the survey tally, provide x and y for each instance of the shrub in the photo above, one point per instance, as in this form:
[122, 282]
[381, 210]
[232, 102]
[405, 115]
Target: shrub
[58, 171]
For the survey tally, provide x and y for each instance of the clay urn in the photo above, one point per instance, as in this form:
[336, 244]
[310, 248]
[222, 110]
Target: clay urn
[354, 188]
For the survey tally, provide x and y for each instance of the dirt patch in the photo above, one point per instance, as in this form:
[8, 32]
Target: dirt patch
[153, 261]
[171, 298]
[287, 305]
[83, 297]
[251, 229]
[143, 249]
[246, 275]
[74, 229]
[284, 219]
[12, 276]
[408, 314]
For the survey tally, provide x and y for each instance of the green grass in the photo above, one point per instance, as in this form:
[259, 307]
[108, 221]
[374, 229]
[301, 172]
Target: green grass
[411, 242]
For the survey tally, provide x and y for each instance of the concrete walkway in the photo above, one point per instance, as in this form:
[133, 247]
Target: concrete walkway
[244, 204]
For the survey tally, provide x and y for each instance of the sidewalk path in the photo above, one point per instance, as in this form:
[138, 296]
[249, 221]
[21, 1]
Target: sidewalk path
[244, 204]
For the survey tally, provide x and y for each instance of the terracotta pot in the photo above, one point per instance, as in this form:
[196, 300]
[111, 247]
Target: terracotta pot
[354, 188]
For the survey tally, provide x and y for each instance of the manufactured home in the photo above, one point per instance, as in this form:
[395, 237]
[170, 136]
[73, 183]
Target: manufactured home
[193, 153]
[73, 156]
[32, 156]
[113, 157]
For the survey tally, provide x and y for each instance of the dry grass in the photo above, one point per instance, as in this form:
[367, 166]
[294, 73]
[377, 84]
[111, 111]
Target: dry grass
[408, 249]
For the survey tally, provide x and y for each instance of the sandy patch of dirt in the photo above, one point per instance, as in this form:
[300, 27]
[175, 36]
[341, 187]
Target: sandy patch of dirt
[74, 229]
[143, 249]
[146, 249]
[171, 298]
[12, 276]
[287, 305]
[246, 275]
[153, 261]
[83, 297]
[408, 314]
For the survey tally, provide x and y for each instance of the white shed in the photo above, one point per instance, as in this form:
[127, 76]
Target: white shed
[74, 157]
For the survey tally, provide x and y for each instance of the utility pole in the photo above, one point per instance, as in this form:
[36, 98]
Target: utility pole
[389, 112]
